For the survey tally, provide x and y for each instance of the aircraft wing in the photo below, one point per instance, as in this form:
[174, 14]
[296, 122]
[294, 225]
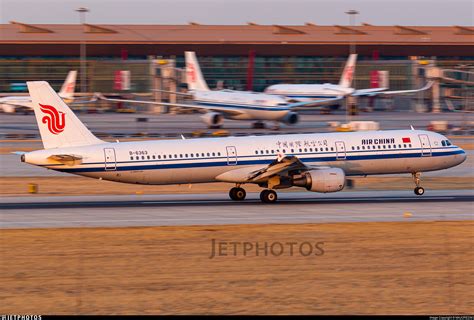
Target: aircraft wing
[380, 91]
[315, 103]
[27, 104]
[223, 110]
[257, 174]
[173, 92]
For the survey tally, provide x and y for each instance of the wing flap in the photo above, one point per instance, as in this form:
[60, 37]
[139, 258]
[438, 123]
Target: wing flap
[257, 174]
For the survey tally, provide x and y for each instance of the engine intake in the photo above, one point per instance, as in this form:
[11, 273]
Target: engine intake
[291, 118]
[213, 119]
[323, 180]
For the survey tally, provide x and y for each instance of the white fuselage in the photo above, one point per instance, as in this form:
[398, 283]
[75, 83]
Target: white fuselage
[250, 105]
[305, 92]
[9, 104]
[202, 160]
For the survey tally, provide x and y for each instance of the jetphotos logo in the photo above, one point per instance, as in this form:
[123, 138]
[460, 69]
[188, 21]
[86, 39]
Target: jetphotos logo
[56, 120]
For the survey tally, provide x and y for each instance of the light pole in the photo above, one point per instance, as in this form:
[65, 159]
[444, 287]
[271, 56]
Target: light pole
[82, 18]
[350, 103]
[352, 14]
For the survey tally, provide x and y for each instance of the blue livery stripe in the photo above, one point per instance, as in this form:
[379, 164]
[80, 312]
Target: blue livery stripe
[253, 162]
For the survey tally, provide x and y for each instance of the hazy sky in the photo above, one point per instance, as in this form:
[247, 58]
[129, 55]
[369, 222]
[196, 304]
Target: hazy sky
[293, 12]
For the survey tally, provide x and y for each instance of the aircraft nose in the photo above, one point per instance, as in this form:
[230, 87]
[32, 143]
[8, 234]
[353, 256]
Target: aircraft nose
[462, 156]
[459, 157]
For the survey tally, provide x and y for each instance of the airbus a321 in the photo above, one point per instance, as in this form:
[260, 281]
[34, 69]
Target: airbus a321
[318, 162]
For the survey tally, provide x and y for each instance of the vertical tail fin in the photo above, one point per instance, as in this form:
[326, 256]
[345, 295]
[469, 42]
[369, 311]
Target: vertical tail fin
[348, 73]
[194, 77]
[58, 125]
[69, 85]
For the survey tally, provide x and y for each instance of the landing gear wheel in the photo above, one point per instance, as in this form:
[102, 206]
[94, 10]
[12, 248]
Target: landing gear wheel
[237, 194]
[258, 125]
[268, 196]
[419, 191]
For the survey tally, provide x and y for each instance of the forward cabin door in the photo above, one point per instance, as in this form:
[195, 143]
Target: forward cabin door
[231, 156]
[425, 145]
[109, 157]
[340, 150]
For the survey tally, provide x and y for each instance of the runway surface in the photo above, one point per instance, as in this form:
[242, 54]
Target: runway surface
[217, 209]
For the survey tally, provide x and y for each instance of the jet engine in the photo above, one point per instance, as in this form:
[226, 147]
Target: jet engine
[213, 119]
[291, 118]
[323, 180]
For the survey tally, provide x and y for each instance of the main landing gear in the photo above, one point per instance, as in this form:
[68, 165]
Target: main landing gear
[418, 190]
[258, 125]
[237, 194]
[267, 195]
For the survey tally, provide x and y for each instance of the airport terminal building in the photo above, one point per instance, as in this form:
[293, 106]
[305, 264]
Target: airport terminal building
[236, 55]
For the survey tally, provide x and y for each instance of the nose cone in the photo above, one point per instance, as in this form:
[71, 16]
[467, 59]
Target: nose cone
[460, 157]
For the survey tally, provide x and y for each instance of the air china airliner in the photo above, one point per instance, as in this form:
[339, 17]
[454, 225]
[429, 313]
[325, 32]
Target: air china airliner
[10, 104]
[236, 105]
[318, 162]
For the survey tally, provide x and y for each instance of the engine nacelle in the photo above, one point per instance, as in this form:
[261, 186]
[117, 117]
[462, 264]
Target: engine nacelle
[323, 180]
[213, 119]
[291, 118]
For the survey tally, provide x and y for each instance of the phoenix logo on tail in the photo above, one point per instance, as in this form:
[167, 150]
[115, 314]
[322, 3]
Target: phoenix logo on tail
[56, 120]
[191, 72]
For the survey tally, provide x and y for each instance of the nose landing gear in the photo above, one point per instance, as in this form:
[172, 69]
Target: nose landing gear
[418, 190]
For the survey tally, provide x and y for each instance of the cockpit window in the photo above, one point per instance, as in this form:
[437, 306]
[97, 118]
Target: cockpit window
[443, 143]
[448, 143]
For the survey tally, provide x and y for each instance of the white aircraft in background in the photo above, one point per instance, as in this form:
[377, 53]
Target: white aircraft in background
[11, 104]
[235, 105]
[318, 162]
[305, 92]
